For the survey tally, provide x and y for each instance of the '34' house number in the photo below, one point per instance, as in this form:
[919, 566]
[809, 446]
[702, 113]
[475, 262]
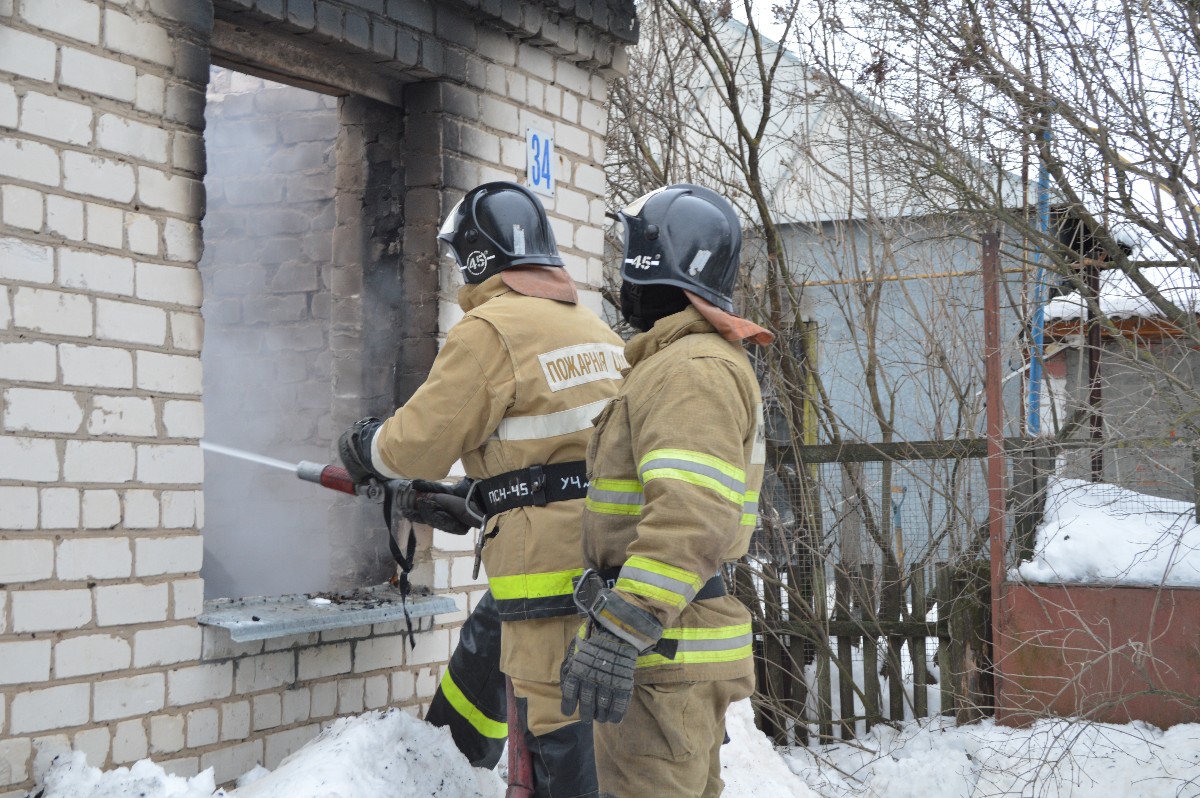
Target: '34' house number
[539, 148]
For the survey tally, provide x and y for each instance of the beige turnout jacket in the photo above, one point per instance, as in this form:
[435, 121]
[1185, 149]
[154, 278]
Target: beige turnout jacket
[675, 468]
[517, 383]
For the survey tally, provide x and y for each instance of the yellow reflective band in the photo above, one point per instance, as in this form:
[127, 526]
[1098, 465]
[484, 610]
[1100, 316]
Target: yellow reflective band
[608, 508]
[694, 479]
[534, 586]
[696, 468]
[614, 497]
[695, 657]
[706, 633]
[664, 569]
[695, 457]
[651, 592]
[703, 650]
[495, 729]
[622, 485]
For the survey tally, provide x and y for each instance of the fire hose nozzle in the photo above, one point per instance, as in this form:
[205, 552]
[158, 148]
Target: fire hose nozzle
[337, 478]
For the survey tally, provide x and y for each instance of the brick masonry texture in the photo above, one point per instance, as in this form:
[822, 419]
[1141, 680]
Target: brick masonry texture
[132, 241]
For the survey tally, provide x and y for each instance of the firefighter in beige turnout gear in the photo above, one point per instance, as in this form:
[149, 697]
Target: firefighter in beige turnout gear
[676, 463]
[513, 393]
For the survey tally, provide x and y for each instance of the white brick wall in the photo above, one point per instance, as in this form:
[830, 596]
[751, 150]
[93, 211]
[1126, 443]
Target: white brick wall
[95, 272]
[50, 610]
[51, 708]
[135, 695]
[77, 19]
[22, 207]
[94, 558]
[24, 661]
[96, 366]
[25, 262]
[101, 76]
[20, 508]
[52, 312]
[53, 118]
[100, 386]
[90, 654]
[123, 605]
[40, 410]
[26, 560]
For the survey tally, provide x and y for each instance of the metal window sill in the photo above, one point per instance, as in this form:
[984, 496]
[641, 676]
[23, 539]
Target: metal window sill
[265, 617]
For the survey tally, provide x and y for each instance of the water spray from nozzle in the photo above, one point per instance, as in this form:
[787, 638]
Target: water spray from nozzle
[249, 456]
[328, 476]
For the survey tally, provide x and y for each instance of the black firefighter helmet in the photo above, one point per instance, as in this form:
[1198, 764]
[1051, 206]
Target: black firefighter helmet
[495, 226]
[686, 236]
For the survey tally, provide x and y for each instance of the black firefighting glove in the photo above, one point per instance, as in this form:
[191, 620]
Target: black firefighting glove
[443, 506]
[597, 672]
[354, 448]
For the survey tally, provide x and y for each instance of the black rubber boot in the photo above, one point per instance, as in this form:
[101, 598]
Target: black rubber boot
[471, 699]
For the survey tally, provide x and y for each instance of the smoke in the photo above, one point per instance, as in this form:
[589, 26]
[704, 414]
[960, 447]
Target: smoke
[268, 378]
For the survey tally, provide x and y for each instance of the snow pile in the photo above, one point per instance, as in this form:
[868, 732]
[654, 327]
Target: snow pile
[1095, 532]
[70, 776]
[392, 755]
[1052, 759]
[386, 754]
[1120, 298]
[750, 766]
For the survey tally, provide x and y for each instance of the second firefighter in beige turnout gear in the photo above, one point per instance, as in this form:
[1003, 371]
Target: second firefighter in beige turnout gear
[513, 392]
[676, 464]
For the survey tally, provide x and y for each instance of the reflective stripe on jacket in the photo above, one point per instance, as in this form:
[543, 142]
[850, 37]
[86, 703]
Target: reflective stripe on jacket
[517, 383]
[676, 464]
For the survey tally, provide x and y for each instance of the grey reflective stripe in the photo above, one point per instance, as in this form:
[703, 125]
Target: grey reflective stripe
[715, 474]
[615, 496]
[750, 507]
[550, 425]
[716, 644]
[658, 580]
[377, 459]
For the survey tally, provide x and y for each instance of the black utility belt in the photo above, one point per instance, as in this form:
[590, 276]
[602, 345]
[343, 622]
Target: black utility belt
[532, 487]
[713, 588]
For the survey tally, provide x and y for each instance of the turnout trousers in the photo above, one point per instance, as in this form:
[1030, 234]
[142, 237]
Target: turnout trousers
[669, 742]
[471, 702]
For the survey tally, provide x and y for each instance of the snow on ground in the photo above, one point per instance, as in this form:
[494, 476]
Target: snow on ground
[392, 755]
[1052, 759]
[1095, 532]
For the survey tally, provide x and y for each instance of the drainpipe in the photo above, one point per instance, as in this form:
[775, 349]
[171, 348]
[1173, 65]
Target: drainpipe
[1033, 411]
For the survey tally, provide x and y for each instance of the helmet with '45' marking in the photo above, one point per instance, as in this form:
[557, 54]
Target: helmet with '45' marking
[495, 226]
[686, 236]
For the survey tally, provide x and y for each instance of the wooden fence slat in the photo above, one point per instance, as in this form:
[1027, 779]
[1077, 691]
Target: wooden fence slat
[947, 680]
[870, 647]
[916, 645]
[841, 611]
[890, 597]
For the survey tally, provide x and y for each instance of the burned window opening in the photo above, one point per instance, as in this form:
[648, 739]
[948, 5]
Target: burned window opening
[302, 284]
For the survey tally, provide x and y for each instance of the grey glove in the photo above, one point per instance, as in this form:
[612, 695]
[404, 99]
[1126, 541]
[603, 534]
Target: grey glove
[354, 448]
[597, 675]
[597, 672]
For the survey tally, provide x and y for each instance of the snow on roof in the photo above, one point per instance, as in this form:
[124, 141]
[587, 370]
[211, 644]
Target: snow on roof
[1101, 533]
[1120, 298]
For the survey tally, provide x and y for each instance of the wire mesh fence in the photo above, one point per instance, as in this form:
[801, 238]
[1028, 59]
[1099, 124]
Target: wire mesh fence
[869, 574]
